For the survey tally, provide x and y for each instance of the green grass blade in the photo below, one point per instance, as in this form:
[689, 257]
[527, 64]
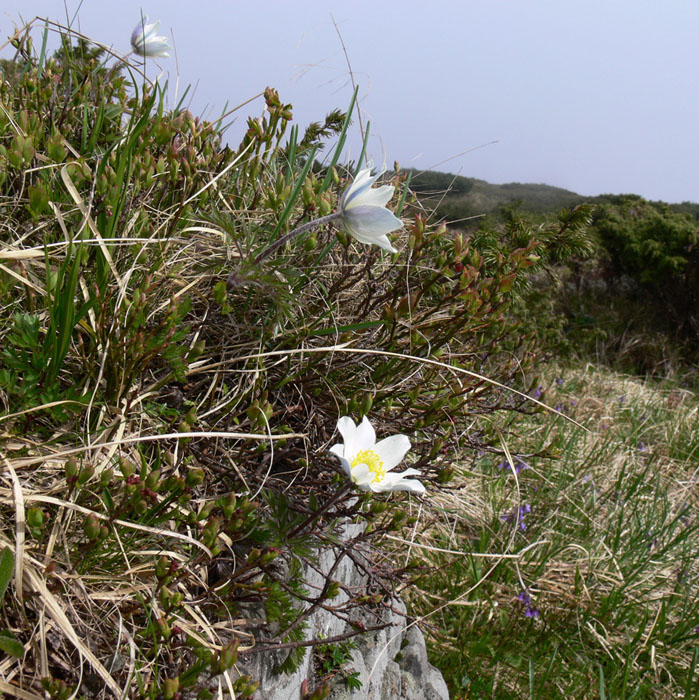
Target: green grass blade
[42, 54]
[364, 145]
[692, 690]
[7, 567]
[294, 194]
[340, 141]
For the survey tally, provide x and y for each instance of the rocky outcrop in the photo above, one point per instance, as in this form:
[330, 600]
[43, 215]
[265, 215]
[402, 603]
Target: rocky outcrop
[391, 663]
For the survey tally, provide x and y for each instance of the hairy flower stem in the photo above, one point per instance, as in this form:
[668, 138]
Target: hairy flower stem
[295, 232]
[233, 279]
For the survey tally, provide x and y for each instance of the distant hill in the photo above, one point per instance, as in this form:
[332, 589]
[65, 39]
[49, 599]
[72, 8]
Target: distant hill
[457, 198]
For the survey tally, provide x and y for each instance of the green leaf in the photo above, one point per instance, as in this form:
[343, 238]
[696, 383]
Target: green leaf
[10, 645]
[7, 567]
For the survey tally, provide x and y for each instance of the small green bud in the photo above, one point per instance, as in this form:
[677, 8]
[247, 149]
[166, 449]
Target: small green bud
[445, 475]
[126, 468]
[163, 627]
[35, 518]
[310, 242]
[162, 567]
[92, 526]
[141, 506]
[229, 655]
[55, 149]
[71, 468]
[153, 480]
[38, 199]
[269, 556]
[106, 477]
[251, 689]
[220, 293]
[170, 687]
[324, 206]
[247, 506]
[195, 477]
[164, 596]
[333, 589]
[86, 473]
[254, 556]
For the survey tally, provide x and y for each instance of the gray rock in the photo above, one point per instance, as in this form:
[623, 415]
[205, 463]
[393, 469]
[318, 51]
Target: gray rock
[392, 663]
[421, 680]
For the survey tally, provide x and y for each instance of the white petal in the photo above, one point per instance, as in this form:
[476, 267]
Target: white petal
[364, 222]
[391, 450]
[365, 436]
[376, 197]
[348, 431]
[339, 451]
[412, 485]
[362, 477]
[361, 183]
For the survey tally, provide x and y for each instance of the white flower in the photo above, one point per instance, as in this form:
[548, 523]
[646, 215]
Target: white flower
[145, 42]
[363, 211]
[369, 463]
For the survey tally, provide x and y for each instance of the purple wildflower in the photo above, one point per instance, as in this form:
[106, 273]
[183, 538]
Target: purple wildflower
[519, 514]
[559, 381]
[519, 464]
[641, 447]
[529, 611]
[524, 598]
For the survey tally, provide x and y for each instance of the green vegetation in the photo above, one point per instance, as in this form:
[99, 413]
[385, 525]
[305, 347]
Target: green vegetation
[169, 392]
[573, 555]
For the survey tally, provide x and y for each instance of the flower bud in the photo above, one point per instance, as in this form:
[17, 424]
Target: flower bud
[163, 627]
[35, 518]
[38, 199]
[269, 556]
[229, 655]
[162, 567]
[85, 474]
[170, 687]
[92, 526]
[71, 468]
[195, 477]
[164, 596]
[126, 468]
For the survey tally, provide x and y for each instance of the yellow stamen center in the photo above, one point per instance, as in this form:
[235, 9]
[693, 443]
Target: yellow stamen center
[373, 461]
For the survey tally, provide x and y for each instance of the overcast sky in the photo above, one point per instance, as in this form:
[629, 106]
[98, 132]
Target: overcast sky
[591, 95]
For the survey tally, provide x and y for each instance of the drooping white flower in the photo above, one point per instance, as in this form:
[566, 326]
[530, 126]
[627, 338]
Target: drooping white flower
[145, 41]
[363, 211]
[369, 463]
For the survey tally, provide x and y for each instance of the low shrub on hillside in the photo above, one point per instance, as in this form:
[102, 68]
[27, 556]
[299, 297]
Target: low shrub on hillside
[171, 376]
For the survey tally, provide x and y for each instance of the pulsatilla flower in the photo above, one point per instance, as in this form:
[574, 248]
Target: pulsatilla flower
[145, 41]
[363, 211]
[369, 463]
